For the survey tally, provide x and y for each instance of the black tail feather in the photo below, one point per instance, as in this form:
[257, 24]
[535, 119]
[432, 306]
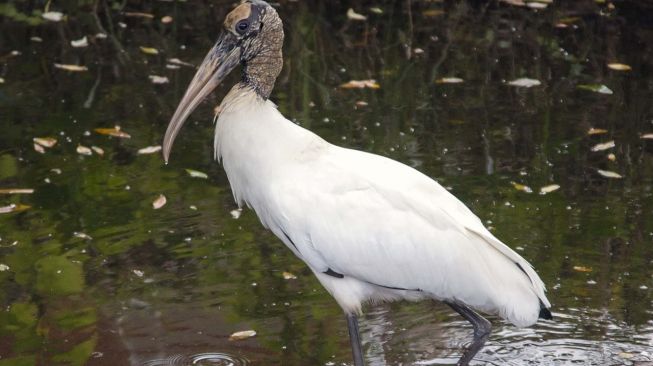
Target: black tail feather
[544, 312]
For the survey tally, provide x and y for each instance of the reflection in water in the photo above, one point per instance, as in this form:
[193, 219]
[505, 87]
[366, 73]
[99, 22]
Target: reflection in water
[202, 359]
[173, 284]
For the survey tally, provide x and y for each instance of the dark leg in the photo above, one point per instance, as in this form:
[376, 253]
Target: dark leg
[482, 329]
[354, 337]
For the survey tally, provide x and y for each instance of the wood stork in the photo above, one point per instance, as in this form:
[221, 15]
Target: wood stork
[370, 228]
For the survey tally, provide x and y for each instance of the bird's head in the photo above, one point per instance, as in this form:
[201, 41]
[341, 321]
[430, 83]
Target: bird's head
[252, 35]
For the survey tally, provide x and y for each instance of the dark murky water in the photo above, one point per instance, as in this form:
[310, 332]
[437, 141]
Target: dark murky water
[168, 286]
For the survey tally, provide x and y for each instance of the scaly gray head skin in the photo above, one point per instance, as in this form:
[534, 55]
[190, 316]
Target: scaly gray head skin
[252, 35]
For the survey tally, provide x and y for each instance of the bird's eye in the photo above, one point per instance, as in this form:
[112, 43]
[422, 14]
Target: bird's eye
[242, 26]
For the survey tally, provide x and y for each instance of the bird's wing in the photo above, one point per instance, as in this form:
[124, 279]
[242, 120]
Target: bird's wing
[385, 223]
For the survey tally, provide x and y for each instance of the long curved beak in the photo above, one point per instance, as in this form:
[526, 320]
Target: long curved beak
[223, 57]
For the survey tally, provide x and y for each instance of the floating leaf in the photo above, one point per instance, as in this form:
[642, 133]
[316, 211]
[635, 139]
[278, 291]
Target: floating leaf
[603, 146]
[236, 213]
[521, 187]
[361, 103]
[134, 14]
[156, 79]
[83, 150]
[82, 235]
[159, 202]
[648, 136]
[2, 81]
[609, 174]
[79, 43]
[361, 84]
[514, 2]
[45, 141]
[351, 14]
[524, 82]
[176, 61]
[101, 35]
[14, 208]
[288, 276]
[243, 334]
[98, 150]
[3, 267]
[432, 13]
[115, 132]
[597, 88]
[537, 5]
[612, 157]
[53, 16]
[16, 190]
[149, 50]
[197, 174]
[39, 149]
[619, 67]
[596, 131]
[582, 269]
[166, 19]
[548, 189]
[376, 10]
[73, 68]
[149, 150]
[449, 80]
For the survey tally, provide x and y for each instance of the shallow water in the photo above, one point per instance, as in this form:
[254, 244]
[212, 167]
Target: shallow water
[169, 286]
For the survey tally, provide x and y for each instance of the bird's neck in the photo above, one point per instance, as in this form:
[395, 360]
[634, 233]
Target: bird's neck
[261, 71]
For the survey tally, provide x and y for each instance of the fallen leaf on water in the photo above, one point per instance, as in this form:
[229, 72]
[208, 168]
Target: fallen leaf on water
[432, 12]
[603, 146]
[582, 269]
[514, 2]
[626, 355]
[159, 202]
[73, 68]
[288, 276]
[619, 67]
[596, 131]
[82, 235]
[45, 141]
[101, 35]
[36, 39]
[525, 82]
[16, 190]
[166, 19]
[197, 174]
[39, 149]
[522, 187]
[243, 334]
[537, 5]
[361, 84]
[3, 267]
[648, 136]
[449, 80]
[172, 67]
[177, 61]
[115, 132]
[14, 208]
[376, 10]
[53, 16]
[134, 14]
[149, 150]
[236, 213]
[2, 81]
[351, 14]
[612, 157]
[361, 103]
[548, 189]
[149, 50]
[609, 174]
[79, 43]
[156, 79]
[83, 150]
[98, 150]
[597, 88]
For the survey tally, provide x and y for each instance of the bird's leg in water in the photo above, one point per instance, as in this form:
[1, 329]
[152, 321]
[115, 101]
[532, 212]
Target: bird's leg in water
[482, 329]
[354, 337]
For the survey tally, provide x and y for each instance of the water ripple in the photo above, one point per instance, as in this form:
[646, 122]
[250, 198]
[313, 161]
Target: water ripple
[200, 359]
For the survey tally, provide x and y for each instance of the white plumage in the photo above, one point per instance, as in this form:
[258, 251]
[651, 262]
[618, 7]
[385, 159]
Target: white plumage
[380, 223]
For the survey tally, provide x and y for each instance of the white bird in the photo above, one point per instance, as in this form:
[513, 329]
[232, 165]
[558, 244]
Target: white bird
[370, 228]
